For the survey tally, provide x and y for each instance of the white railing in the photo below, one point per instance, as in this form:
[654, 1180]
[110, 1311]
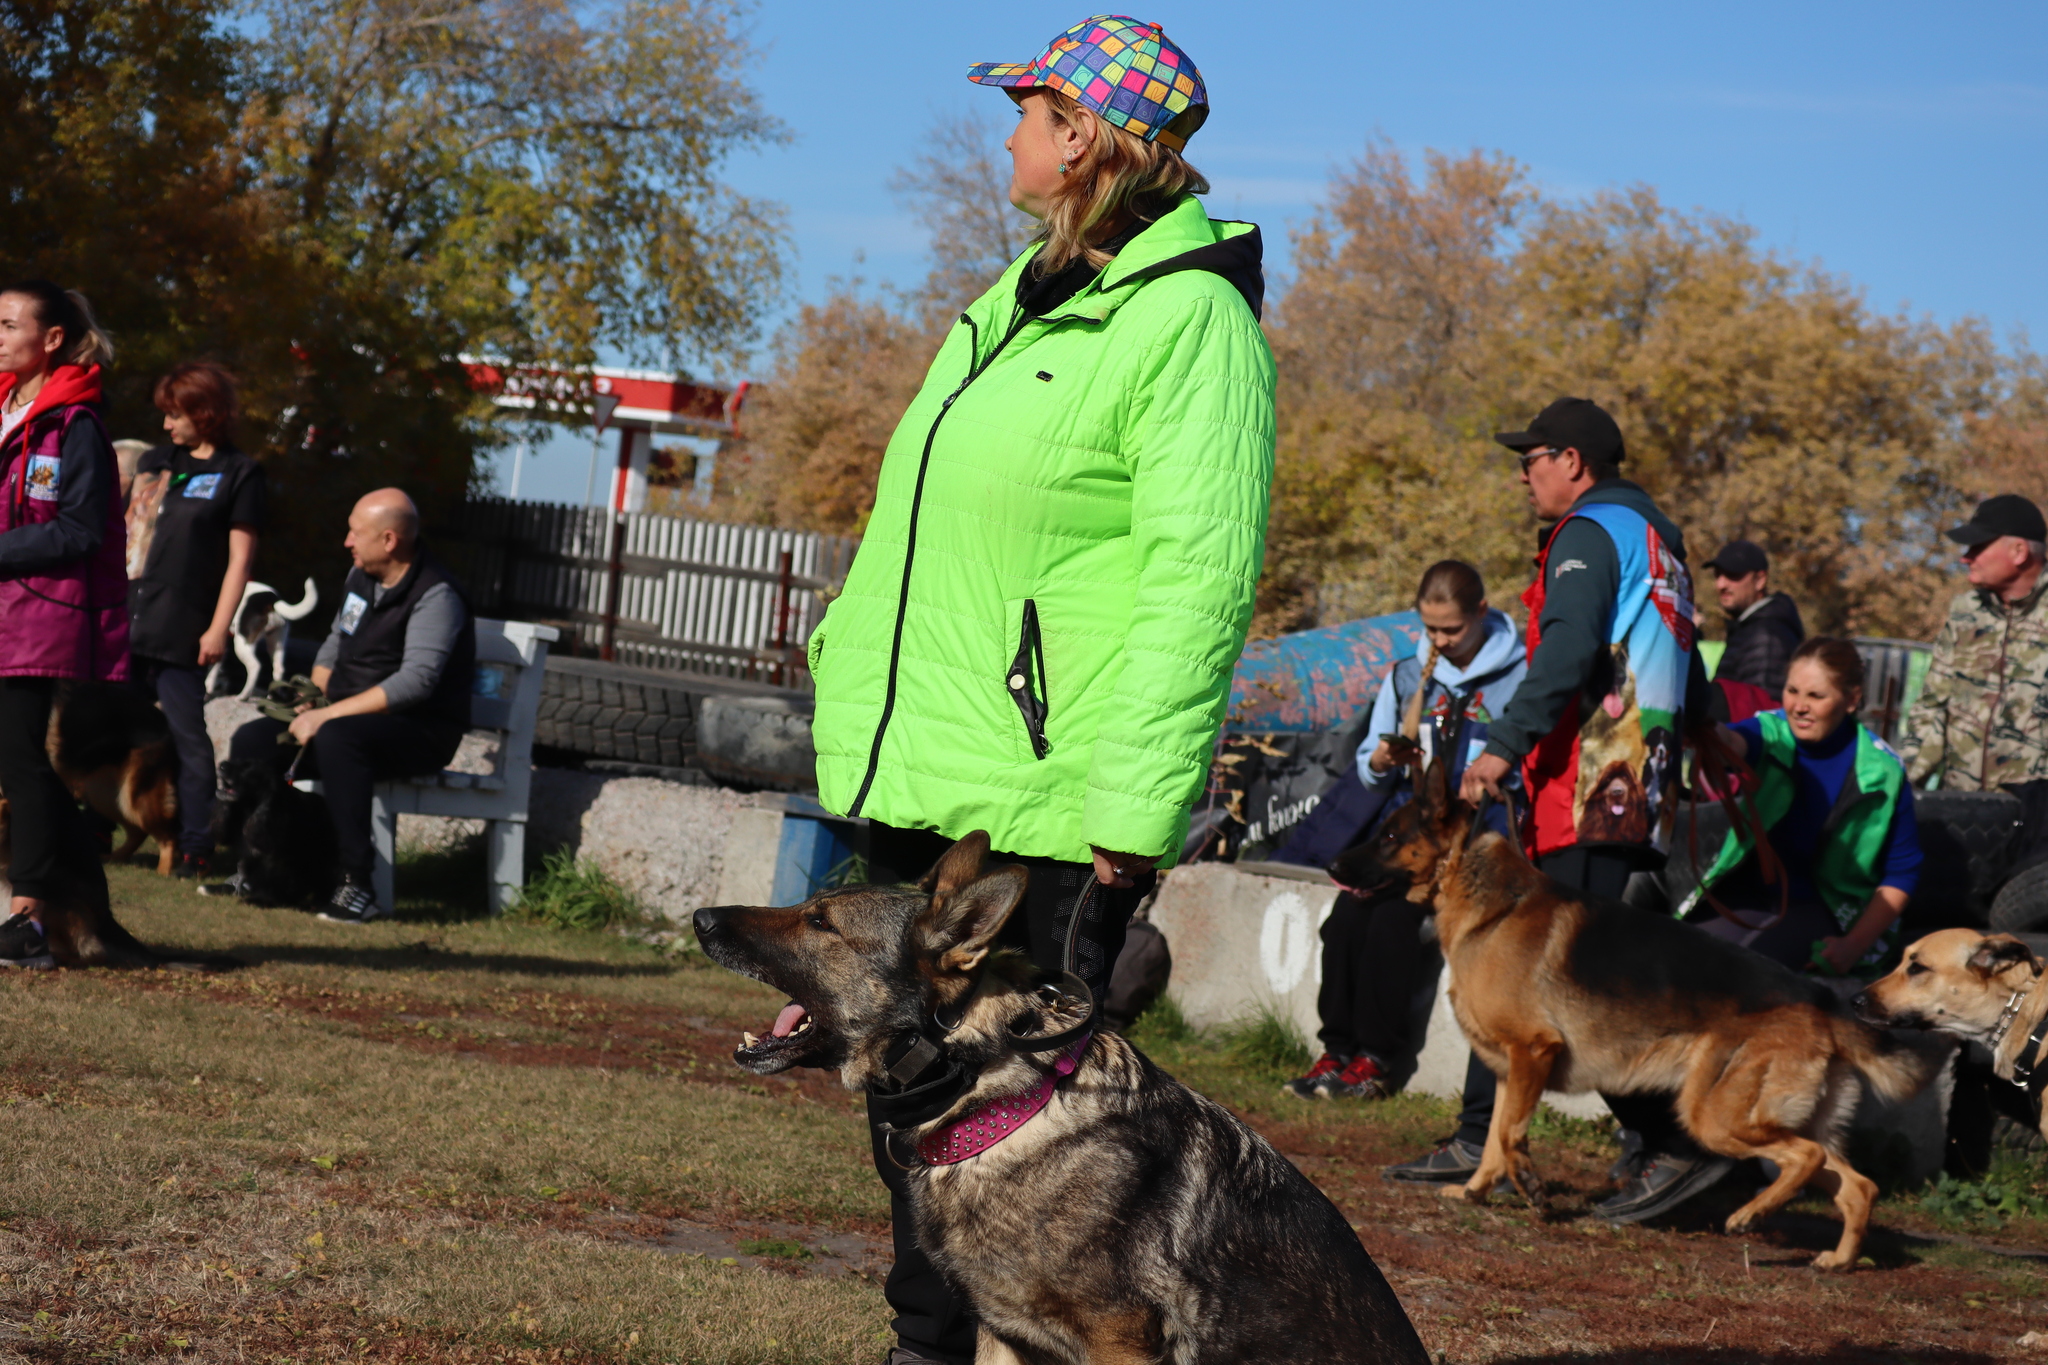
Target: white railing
[658, 591]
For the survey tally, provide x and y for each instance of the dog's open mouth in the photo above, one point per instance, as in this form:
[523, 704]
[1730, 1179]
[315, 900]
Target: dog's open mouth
[793, 1036]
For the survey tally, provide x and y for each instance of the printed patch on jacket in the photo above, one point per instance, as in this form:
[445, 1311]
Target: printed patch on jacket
[202, 485]
[42, 477]
[351, 614]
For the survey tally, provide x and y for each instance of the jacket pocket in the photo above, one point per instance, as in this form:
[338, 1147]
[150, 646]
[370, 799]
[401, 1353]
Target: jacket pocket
[1025, 680]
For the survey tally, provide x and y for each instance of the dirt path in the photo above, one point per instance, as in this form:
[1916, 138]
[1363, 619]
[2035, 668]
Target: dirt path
[1500, 1282]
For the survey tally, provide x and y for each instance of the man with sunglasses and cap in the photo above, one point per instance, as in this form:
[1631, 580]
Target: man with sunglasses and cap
[1763, 626]
[1594, 729]
[1982, 718]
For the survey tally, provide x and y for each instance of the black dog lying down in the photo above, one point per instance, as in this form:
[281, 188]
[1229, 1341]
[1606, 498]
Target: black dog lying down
[1128, 1219]
[282, 838]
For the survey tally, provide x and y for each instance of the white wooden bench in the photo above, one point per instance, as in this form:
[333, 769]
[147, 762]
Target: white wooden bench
[511, 659]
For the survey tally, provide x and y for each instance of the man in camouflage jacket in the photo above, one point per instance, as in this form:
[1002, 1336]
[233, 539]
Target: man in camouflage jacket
[1982, 718]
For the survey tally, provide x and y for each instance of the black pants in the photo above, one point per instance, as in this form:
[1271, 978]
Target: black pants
[181, 693]
[350, 756]
[930, 1317]
[49, 837]
[1597, 872]
[1371, 952]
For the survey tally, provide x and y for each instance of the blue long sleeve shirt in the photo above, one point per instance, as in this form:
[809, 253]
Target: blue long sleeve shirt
[1818, 772]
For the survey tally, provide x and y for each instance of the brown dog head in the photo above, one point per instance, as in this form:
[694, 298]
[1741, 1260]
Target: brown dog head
[865, 965]
[1414, 845]
[1617, 811]
[1955, 981]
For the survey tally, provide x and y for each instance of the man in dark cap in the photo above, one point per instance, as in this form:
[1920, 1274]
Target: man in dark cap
[1979, 721]
[1763, 626]
[1594, 732]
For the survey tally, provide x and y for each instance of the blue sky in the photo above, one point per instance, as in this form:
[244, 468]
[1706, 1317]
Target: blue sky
[1904, 147]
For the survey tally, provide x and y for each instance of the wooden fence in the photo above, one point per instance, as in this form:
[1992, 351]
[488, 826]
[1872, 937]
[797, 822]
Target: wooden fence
[658, 591]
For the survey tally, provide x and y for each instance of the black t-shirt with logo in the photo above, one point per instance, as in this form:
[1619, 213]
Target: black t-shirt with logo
[171, 604]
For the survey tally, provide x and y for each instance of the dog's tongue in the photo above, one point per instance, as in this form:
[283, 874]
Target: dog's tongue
[792, 1015]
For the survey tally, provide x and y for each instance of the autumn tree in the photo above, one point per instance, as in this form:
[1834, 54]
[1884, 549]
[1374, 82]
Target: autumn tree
[1758, 397]
[845, 370]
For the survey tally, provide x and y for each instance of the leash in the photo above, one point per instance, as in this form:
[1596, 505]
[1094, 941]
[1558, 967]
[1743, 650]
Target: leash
[1713, 762]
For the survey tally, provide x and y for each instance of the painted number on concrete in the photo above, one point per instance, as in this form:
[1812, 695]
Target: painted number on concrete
[1287, 941]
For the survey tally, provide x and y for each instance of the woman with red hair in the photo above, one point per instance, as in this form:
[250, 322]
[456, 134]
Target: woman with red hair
[193, 522]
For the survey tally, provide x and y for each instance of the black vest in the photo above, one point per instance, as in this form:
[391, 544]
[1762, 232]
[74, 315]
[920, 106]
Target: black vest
[374, 649]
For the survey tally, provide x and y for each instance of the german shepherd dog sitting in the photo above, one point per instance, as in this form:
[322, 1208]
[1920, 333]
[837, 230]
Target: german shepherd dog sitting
[1559, 990]
[1129, 1219]
[112, 747]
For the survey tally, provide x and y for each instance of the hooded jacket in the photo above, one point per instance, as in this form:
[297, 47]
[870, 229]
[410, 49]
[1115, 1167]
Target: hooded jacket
[1488, 683]
[1037, 635]
[63, 572]
[1761, 642]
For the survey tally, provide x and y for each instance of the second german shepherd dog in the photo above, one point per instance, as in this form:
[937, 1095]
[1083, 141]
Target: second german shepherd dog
[1564, 991]
[112, 747]
[1129, 1220]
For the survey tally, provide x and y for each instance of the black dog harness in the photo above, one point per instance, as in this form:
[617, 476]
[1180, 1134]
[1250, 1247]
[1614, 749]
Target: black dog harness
[916, 1056]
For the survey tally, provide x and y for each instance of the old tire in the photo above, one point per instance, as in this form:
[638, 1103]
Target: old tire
[2021, 906]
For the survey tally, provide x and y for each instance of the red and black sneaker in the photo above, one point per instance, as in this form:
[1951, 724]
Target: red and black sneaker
[1317, 1083]
[1361, 1079]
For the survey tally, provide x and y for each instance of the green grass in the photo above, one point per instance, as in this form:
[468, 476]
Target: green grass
[2016, 1186]
[568, 893]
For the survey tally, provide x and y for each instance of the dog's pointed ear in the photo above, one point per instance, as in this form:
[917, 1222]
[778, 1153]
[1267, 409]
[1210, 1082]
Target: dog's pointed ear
[1436, 787]
[958, 866]
[1997, 953]
[957, 928]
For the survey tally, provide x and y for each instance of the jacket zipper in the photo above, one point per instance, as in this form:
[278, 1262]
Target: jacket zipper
[1026, 680]
[924, 460]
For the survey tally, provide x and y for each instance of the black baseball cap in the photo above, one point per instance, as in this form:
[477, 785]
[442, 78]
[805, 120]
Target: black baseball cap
[1740, 558]
[2008, 514]
[1576, 423]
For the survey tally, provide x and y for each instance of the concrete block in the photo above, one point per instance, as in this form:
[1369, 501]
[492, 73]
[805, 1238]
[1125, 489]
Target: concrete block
[753, 845]
[761, 741]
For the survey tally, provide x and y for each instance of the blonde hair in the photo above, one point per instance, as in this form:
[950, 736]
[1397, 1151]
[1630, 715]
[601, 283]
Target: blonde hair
[1119, 171]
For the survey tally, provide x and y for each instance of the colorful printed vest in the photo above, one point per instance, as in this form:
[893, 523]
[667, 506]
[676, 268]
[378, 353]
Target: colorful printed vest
[1846, 868]
[1607, 773]
[68, 620]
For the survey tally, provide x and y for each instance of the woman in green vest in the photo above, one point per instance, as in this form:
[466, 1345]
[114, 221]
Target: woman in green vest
[1037, 636]
[1836, 807]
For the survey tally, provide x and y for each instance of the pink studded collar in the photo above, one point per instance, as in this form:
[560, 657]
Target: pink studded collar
[982, 1128]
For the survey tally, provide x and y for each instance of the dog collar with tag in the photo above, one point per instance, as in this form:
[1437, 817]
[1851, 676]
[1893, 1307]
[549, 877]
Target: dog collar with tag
[984, 1126]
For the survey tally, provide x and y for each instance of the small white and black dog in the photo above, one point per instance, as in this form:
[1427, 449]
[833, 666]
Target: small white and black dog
[262, 622]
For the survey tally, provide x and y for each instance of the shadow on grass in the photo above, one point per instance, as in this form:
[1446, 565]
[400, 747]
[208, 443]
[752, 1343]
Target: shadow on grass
[423, 957]
[1734, 1355]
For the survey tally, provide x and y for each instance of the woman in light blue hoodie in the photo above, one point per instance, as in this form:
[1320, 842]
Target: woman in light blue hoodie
[1472, 665]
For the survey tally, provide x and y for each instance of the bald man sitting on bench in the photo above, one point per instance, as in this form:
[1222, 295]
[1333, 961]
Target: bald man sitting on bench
[397, 667]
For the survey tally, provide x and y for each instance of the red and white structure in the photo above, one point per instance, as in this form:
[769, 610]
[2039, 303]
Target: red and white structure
[638, 404]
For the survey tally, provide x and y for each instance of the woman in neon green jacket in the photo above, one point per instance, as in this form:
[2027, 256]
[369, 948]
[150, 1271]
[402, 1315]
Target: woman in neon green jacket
[1037, 636]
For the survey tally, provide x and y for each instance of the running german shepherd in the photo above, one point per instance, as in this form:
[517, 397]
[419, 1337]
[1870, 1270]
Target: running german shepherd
[1557, 990]
[1129, 1220]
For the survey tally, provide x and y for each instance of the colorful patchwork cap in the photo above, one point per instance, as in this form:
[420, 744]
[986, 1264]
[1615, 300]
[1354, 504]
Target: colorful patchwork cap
[1130, 73]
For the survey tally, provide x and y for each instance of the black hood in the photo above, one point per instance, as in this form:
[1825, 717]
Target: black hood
[1632, 496]
[1239, 259]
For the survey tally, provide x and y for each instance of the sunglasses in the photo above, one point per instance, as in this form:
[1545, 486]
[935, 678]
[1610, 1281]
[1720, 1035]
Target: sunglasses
[1529, 457]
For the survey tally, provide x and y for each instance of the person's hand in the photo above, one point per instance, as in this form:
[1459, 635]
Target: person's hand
[213, 647]
[1841, 954]
[1395, 751]
[1483, 777]
[306, 724]
[1115, 869]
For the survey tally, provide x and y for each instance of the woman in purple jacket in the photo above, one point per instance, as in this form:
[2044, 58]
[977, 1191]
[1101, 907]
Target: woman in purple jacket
[63, 585]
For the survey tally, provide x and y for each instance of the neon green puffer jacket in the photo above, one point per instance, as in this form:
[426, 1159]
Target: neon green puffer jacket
[1037, 635]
